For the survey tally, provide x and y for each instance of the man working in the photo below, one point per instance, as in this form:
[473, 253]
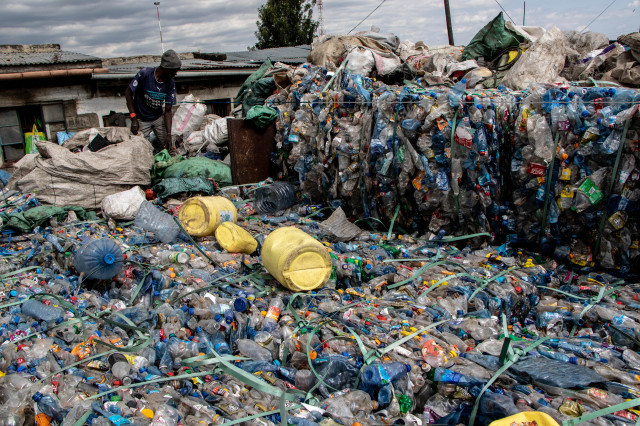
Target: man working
[146, 94]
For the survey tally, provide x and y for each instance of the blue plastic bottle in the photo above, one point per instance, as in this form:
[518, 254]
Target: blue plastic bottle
[378, 375]
[99, 259]
[49, 406]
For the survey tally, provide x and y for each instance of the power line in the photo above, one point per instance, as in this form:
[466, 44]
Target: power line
[511, 19]
[365, 18]
[605, 9]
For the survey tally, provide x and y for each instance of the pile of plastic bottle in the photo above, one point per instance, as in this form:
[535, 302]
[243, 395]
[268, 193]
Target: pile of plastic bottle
[406, 331]
[553, 168]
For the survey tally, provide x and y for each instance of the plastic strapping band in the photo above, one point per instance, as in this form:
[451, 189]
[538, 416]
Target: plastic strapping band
[395, 215]
[82, 420]
[548, 188]
[175, 219]
[139, 287]
[512, 360]
[453, 149]
[379, 353]
[603, 412]
[420, 272]
[257, 383]
[255, 416]
[614, 175]
[489, 280]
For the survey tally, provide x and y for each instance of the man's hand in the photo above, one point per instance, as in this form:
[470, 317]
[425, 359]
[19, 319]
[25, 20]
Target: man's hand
[134, 126]
[167, 143]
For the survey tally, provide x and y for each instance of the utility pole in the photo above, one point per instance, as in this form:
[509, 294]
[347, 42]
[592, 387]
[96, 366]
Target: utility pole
[320, 17]
[447, 14]
[157, 3]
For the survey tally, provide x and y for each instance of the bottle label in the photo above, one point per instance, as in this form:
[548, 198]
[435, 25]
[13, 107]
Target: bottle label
[442, 123]
[597, 393]
[273, 313]
[591, 191]
[618, 320]
[294, 138]
[536, 169]
[563, 126]
[463, 137]
[624, 175]
[617, 220]
[226, 216]
[119, 420]
[566, 174]
[217, 346]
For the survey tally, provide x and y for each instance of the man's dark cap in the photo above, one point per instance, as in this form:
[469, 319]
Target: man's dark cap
[170, 60]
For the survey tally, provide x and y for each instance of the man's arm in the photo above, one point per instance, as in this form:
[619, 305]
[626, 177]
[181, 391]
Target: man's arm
[168, 118]
[128, 94]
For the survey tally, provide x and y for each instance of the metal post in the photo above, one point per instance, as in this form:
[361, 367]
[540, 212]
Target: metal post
[524, 11]
[447, 14]
[157, 3]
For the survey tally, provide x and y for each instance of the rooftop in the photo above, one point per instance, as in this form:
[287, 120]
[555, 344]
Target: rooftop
[39, 54]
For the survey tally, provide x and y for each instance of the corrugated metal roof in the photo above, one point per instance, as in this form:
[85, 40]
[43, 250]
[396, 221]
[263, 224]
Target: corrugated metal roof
[187, 65]
[290, 55]
[43, 58]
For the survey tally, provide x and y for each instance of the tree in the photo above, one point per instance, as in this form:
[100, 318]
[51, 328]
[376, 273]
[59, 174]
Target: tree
[285, 23]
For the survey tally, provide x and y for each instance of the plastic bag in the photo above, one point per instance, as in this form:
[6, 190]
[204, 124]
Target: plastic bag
[360, 60]
[189, 116]
[123, 205]
[217, 132]
[543, 61]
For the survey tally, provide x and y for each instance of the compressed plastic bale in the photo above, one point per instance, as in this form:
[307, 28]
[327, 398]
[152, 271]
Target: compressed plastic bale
[123, 205]
[234, 239]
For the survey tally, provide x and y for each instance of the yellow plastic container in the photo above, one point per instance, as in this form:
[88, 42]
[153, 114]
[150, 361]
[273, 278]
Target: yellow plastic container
[234, 239]
[200, 216]
[295, 259]
[526, 418]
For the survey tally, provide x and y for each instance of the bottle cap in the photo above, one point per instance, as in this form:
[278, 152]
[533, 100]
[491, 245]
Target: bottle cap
[36, 396]
[147, 413]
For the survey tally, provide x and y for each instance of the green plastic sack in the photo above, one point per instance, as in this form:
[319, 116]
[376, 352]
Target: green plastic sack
[492, 39]
[248, 83]
[26, 221]
[162, 160]
[169, 187]
[262, 116]
[260, 91]
[200, 166]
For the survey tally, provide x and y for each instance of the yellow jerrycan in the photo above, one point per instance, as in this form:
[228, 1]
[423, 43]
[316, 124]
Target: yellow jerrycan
[200, 216]
[295, 259]
[526, 418]
[234, 239]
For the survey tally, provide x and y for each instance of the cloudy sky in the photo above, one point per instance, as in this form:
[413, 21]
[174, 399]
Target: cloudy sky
[129, 27]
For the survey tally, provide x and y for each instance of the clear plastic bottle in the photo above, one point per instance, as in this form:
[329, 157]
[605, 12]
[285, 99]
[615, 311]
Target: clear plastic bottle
[270, 321]
[150, 218]
[37, 309]
[252, 350]
[275, 197]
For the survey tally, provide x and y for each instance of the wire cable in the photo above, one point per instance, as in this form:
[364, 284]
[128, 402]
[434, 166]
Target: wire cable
[510, 18]
[605, 9]
[365, 18]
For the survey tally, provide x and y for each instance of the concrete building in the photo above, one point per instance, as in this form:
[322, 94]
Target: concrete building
[66, 91]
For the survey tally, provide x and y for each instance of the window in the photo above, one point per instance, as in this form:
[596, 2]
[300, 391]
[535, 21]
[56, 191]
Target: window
[221, 107]
[11, 136]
